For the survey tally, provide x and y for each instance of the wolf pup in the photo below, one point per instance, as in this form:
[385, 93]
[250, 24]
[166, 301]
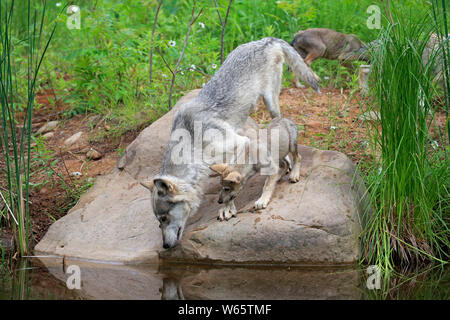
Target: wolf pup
[251, 71]
[316, 43]
[234, 177]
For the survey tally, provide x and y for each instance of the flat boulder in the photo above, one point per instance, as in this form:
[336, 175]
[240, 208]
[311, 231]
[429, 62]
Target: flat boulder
[316, 220]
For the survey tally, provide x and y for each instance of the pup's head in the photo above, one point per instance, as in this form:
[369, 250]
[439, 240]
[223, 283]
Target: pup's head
[172, 203]
[231, 181]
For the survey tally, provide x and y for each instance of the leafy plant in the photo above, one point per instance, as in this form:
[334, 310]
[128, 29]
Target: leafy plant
[14, 142]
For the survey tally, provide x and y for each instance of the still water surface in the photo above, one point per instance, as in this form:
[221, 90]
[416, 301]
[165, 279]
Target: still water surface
[47, 279]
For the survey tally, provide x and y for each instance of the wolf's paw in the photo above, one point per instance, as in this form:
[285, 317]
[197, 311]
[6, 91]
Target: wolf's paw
[294, 176]
[226, 213]
[299, 85]
[261, 203]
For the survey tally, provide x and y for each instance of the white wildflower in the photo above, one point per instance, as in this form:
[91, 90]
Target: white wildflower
[164, 75]
[202, 25]
[214, 66]
[333, 128]
[434, 144]
[58, 4]
[172, 43]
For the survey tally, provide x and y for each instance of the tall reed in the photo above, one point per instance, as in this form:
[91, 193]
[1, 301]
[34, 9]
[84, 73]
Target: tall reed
[15, 140]
[409, 186]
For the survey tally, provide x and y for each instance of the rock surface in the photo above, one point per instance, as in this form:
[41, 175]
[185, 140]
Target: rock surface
[73, 139]
[313, 221]
[49, 126]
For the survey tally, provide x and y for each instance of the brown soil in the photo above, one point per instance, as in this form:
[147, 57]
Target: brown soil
[326, 121]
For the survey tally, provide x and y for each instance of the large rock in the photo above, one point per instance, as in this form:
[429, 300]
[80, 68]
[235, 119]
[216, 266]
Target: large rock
[313, 221]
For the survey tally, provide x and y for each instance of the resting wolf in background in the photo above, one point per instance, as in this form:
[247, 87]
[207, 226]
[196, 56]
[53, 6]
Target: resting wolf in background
[235, 176]
[316, 43]
[251, 71]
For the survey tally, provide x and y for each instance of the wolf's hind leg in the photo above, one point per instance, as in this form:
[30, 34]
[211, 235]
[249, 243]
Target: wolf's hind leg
[268, 189]
[272, 94]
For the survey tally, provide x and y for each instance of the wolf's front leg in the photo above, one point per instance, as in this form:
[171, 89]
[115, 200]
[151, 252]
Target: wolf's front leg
[268, 190]
[228, 211]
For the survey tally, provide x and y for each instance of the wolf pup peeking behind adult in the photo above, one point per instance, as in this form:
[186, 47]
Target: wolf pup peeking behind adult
[251, 71]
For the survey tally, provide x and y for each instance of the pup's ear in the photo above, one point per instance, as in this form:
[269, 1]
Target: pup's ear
[220, 169]
[164, 186]
[234, 177]
[147, 184]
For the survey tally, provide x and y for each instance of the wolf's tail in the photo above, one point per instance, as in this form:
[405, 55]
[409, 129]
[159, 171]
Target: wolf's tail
[298, 66]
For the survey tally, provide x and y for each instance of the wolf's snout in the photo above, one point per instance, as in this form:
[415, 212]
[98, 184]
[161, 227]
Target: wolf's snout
[220, 201]
[166, 246]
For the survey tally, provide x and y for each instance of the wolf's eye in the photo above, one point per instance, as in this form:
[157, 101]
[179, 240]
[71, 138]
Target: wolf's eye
[163, 219]
[226, 189]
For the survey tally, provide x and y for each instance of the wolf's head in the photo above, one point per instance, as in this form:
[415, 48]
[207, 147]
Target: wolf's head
[172, 202]
[231, 181]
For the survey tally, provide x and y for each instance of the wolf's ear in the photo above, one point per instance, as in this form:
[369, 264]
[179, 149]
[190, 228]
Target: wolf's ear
[164, 186]
[234, 177]
[220, 169]
[147, 184]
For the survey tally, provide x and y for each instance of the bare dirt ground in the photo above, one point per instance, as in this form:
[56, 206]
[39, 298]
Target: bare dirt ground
[331, 121]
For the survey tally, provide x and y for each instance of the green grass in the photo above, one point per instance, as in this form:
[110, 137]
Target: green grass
[409, 184]
[15, 144]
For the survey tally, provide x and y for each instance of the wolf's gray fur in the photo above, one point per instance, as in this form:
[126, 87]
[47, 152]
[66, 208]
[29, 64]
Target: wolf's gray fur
[251, 71]
[235, 176]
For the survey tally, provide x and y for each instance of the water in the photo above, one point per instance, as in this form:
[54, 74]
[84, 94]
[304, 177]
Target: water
[47, 279]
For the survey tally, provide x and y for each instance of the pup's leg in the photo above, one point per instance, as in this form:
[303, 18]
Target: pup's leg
[268, 189]
[228, 211]
[294, 176]
[287, 163]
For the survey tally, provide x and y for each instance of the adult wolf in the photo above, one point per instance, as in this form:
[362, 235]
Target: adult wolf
[251, 71]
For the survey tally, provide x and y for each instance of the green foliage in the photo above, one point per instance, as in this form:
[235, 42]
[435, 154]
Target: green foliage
[409, 187]
[14, 143]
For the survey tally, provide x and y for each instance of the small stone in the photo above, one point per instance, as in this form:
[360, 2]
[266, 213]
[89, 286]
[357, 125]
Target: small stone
[7, 243]
[48, 135]
[73, 139]
[93, 154]
[49, 126]
[107, 127]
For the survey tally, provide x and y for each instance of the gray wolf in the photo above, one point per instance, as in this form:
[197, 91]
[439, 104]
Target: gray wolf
[234, 176]
[316, 43]
[251, 71]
